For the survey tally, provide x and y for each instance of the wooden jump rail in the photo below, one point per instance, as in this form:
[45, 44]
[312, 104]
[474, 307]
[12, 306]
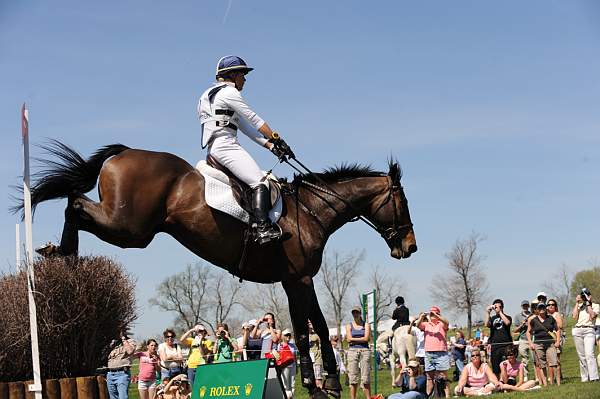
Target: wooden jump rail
[64, 388]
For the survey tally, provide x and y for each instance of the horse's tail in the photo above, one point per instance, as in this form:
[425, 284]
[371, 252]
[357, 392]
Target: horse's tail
[71, 175]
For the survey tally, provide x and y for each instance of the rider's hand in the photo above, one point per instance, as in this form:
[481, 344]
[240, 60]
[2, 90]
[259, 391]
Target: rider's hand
[280, 148]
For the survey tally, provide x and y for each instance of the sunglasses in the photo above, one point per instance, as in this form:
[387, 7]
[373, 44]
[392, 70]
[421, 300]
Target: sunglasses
[170, 336]
[551, 304]
[475, 355]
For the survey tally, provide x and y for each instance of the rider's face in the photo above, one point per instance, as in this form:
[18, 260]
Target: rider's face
[240, 79]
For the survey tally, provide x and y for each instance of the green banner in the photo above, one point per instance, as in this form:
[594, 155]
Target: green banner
[231, 380]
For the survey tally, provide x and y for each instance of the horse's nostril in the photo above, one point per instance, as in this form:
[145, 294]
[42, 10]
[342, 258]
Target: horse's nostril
[412, 248]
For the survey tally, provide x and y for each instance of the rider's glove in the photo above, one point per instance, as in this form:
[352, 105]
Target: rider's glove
[280, 148]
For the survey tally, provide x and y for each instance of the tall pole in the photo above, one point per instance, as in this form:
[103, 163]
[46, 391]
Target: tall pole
[17, 247]
[36, 387]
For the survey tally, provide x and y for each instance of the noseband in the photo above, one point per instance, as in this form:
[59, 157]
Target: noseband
[390, 233]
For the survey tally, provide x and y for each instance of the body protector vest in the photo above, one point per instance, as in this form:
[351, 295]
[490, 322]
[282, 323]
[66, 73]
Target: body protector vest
[214, 122]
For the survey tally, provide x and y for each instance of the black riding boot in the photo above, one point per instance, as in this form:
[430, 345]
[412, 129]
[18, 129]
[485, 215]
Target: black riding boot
[261, 202]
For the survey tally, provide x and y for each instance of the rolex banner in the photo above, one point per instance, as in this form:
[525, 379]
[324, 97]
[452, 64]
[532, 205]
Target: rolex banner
[253, 379]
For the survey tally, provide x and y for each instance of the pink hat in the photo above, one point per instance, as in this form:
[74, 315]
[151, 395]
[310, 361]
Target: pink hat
[435, 309]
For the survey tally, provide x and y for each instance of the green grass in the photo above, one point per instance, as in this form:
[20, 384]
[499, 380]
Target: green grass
[571, 388]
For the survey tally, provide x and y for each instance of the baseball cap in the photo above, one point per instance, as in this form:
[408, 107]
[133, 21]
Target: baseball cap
[524, 302]
[413, 363]
[286, 332]
[541, 293]
[252, 322]
[356, 309]
[435, 309]
[541, 305]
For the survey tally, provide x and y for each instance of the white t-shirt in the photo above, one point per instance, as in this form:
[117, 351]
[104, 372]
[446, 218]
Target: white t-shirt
[584, 319]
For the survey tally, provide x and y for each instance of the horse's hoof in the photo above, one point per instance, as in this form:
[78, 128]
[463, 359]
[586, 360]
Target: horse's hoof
[333, 387]
[318, 394]
[48, 250]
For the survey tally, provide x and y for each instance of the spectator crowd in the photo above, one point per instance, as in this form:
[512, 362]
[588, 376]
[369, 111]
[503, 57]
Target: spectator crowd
[426, 352]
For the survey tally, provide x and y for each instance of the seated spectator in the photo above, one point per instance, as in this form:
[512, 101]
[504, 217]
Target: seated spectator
[543, 336]
[177, 387]
[511, 373]
[477, 378]
[413, 383]
[225, 346]
[171, 359]
[200, 348]
[149, 366]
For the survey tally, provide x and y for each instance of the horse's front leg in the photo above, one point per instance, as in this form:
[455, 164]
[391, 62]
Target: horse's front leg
[332, 381]
[299, 299]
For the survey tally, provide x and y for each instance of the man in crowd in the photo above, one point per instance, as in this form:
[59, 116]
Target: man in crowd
[500, 337]
[520, 328]
[119, 366]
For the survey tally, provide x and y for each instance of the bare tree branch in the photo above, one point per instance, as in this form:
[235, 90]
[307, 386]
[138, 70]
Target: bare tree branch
[465, 286]
[559, 287]
[338, 274]
[387, 289]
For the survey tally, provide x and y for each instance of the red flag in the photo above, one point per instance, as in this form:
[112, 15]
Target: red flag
[24, 121]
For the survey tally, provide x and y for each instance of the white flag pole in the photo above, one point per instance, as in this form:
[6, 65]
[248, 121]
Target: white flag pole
[18, 247]
[35, 355]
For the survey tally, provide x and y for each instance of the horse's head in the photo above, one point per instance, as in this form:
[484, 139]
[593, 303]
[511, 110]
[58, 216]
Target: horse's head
[389, 212]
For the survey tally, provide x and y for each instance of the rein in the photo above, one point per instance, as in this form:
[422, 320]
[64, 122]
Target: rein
[387, 233]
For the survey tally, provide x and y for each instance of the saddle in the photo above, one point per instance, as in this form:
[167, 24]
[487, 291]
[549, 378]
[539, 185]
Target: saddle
[242, 193]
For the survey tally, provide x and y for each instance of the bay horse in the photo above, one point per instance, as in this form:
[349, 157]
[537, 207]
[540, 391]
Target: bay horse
[142, 193]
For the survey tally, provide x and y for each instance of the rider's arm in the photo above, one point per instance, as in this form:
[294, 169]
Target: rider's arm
[253, 134]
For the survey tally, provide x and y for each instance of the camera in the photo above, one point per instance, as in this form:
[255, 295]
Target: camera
[585, 296]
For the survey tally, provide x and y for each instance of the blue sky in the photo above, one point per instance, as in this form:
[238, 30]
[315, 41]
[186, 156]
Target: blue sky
[491, 108]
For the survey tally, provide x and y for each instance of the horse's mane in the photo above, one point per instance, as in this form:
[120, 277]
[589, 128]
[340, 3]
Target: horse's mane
[347, 171]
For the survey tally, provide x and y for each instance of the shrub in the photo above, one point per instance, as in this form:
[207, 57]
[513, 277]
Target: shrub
[83, 303]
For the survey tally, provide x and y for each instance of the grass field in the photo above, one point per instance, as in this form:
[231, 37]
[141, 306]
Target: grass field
[572, 387]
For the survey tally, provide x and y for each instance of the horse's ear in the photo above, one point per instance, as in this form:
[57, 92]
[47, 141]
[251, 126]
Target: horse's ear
[395, 172]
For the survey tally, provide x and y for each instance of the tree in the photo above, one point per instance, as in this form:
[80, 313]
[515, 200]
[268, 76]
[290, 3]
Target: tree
[465, 286]
[387, 289]
[338, 273]
[262, 298]
[199, 294]
[559, 287]
[590, 279]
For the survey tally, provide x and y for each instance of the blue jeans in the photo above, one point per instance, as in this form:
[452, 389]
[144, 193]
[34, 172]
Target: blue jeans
[191, 374]
[118, 384]
[460, 365]
[408, 395]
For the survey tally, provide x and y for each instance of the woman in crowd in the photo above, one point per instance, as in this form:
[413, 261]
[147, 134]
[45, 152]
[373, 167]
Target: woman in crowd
[251, 340]
[358, 334]
[288, 373]
[225, 346]
[585, 313]
[543, 336]
[552, 310]
[200, 348]
[413, 383]
[419, 339]
[437, 359]
[266, 330]
[511, 373]
[149, 366]
[177, 387]
[171, 359]
[477, 378]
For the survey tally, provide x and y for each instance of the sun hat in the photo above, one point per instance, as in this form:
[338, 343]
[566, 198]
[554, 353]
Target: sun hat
[541, 293]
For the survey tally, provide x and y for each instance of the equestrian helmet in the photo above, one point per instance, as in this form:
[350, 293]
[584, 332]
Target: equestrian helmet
[231, 63]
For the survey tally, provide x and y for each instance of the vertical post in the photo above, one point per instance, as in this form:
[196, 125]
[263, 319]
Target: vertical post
[35, 355]
[17, 247]
[375, 341]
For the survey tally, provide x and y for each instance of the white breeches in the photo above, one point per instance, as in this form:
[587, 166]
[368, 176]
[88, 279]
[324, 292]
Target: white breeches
[229, 153]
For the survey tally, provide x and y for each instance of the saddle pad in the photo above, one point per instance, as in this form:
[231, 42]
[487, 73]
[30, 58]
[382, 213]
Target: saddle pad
[218, 195]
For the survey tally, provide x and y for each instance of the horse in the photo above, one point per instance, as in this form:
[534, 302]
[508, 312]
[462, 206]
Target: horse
[142, 193]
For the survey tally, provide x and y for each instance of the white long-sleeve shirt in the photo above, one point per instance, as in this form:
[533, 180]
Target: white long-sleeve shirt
[214, 124]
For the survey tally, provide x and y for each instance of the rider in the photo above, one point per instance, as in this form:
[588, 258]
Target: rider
[223, 111]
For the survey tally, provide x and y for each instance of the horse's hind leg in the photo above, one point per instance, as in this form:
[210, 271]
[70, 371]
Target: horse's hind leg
[299, 298]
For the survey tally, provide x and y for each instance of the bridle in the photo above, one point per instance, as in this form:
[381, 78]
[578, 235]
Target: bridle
[389, 233]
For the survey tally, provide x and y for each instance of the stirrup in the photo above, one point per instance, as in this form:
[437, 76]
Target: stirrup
[266, 232]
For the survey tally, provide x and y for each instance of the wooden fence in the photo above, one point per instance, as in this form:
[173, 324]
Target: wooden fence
[64, 388]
